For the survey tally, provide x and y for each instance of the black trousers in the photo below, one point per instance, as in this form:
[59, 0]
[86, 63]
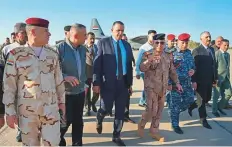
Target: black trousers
[95, 97]
[74, 113]
[127, 111]
[203, 92]
[118, 96]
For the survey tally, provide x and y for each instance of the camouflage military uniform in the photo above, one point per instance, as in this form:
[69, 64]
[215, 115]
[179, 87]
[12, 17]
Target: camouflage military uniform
[178, 102]
[155, 83]
[37, 83]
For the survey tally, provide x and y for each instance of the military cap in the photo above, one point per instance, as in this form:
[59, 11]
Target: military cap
[67, 28]
[159, 36]
[171, 37]
[19, 27]
[39, 22]
[184, 37]
[151, 31]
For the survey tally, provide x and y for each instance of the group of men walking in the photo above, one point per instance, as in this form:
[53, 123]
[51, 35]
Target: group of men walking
[46, 89]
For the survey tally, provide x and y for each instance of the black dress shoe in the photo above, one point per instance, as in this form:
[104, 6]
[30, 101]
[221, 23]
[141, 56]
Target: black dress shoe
[222, 112]
[62, 142]
[205, 124]
[216, 114]
[128, 119]
[99, 128]
[118, 141]
[178, 130]
[77, 144]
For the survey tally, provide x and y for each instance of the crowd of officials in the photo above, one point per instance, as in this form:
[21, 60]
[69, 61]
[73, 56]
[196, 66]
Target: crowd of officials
[46, 89]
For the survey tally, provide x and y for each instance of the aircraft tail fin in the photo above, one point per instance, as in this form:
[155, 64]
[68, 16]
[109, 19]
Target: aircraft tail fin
[96, 29]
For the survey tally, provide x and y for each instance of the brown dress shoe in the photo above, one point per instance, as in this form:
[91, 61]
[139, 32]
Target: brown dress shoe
[140, 130]
[157, 137]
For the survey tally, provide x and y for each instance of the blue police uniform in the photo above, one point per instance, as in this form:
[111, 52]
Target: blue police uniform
[179, 102]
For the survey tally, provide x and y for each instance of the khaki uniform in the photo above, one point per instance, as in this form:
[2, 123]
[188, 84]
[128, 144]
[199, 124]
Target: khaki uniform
[36, 85]
[156, 83]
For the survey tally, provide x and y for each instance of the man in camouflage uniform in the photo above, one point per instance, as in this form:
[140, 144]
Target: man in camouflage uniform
[158, 67]
[170, 49]
[20, 41]
[184, 64]
[33, 80]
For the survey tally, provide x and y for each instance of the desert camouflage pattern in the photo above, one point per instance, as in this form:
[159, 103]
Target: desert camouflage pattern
[156, 77]
[36, 85]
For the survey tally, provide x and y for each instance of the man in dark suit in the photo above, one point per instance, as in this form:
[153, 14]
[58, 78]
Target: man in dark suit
[113, 78]
[205, 76]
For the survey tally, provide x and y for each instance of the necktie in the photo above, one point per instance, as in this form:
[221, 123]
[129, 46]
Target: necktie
[225, 56]
[120, 70]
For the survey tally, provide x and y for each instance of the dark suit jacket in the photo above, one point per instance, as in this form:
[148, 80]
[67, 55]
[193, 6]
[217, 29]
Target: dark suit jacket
[206, 68]
[105, 64]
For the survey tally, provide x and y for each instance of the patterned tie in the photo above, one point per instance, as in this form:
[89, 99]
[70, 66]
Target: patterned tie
[120, 70]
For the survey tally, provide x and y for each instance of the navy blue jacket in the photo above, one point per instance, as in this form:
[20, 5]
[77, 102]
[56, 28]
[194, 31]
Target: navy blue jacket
[105, 65]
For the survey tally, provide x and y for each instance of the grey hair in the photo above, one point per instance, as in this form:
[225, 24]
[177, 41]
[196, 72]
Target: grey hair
[78, 26]
[205, 32]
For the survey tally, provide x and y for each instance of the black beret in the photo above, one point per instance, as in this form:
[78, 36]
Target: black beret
[160, 36]
[67, 28]
[151, 31]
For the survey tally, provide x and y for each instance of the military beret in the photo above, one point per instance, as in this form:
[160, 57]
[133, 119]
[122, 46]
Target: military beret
[19, 27]
[184, 37]
[160, 36]
[39, 22]
[67, 28]
[171, 37]
[151, 31]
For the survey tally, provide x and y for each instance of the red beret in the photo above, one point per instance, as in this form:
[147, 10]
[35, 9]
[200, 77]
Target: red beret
[39, 22]
[171, 37]
[184, 37]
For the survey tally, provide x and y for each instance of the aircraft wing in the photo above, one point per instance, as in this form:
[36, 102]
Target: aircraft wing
[140, 39]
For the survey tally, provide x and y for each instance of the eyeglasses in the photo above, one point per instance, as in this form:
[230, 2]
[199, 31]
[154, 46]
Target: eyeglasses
[160, 42]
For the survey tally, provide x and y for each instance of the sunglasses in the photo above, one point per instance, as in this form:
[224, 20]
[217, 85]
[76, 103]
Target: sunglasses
[160, 42]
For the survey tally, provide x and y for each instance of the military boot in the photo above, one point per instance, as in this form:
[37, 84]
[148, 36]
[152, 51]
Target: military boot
[157, 137]
[177, 129]
[140, 129]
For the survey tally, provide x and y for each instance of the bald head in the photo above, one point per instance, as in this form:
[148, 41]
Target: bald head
[205, 38]
[78, 34]
[218, 41]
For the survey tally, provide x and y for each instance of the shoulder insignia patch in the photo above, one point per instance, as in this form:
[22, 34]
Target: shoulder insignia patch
[10, 60]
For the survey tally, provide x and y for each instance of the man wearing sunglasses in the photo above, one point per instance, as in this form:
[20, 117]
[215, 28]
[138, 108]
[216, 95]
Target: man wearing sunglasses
[185, 67]
[158, 67]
